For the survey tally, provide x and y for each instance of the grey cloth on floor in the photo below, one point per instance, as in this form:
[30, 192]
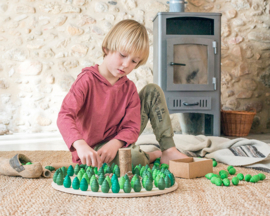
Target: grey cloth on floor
[236, 152]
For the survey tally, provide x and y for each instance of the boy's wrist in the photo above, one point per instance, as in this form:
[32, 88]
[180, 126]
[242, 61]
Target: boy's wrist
[120, 143]
[79, 143]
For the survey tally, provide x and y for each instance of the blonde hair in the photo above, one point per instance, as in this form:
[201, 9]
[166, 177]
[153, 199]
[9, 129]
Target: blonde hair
[129, 36]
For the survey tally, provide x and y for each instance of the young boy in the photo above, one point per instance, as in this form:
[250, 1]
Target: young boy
[103, 112]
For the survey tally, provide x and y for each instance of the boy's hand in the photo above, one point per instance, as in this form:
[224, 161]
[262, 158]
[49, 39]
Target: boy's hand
[108, 151]
[87, 155]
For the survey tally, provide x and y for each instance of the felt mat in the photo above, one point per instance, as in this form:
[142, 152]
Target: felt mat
[19, 196]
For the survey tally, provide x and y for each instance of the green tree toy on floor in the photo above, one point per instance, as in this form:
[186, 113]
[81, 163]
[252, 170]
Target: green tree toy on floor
[86, 178]
[80, 175]
[64, 171]
[92, 178]
[67, 182]
[94, 185]
[122, 182]
[101, 170]
[145, 178]
[126, 177]
[156, 180]
[76, 169]
[127, 186]
[116, 170]
[115, 186]
[105, 186]
[171, 176]
[101, 178]
[108, 170]
[83, 185]
[107, 178]
[89, 174]
[114, 177]
[50, 168]
[59, 179]
[76, 183]
[137, 186]
[59, 170]
[148, 185]
[167, 182]
[133, 180]
[70, 170]
[161, 183]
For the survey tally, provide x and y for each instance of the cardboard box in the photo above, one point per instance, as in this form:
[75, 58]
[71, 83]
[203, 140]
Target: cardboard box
[191, 167]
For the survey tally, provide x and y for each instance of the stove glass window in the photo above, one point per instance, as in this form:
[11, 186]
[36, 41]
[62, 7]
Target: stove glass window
[195, 58]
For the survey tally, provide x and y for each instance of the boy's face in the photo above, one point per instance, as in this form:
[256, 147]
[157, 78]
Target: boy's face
[120, 63]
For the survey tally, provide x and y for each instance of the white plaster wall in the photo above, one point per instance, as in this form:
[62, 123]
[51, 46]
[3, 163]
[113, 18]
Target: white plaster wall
[45, 44]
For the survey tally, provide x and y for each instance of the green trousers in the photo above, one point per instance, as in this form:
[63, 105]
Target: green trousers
[153, 107]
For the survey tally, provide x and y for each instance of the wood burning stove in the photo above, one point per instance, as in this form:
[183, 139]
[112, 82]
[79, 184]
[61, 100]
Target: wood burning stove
[187, 64]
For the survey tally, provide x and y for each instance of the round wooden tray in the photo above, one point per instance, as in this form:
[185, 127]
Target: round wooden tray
[155, 191]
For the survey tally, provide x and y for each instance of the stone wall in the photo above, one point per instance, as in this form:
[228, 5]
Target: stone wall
[45, 44]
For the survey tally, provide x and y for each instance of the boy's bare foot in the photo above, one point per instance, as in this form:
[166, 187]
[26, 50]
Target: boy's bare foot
[154, 155]
[171, 154]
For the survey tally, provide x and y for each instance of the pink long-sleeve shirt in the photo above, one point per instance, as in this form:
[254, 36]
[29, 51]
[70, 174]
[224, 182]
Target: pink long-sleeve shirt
[96, 111]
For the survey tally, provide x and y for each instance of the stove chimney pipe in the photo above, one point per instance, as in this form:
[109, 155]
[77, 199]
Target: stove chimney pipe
[177, 6]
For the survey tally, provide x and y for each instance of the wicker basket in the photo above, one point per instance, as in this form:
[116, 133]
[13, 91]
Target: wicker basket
[236, 123]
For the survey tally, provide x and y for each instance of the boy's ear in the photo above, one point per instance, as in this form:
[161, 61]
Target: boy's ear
[105, 50]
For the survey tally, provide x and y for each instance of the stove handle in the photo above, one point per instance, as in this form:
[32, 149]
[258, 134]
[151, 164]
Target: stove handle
[173, 63]
[188, 104]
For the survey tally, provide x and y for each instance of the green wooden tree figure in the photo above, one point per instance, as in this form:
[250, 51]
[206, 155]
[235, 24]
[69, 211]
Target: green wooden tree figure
[94, 185]
[82, 166]
[167, 182]
[126, 177]
[117, 171]
[109, 181]
[86, 178]
[76, 169]
[122, 182]
[136, 171]
[83, 185]
[133, 180]
[89, 168]
[140, 166]
[161, 183]
[137, 185]
[155, 173]
[127, 187]
[114, 177]
[112, 166]
[108, 170]
[95, 170]
[76, 183]
[115, 167]
[67, 182]
[145, 178]
[115, 186]
[148, 185]
[105, 186]
[92, 179]
[64, 171]
[82, 170]
[101, 178]
[149, 170]
[149, 176]
[171, 176]
[56, 174]
[141, 170]
[89, 174]
[50, 168]
[101, 170]
[59, 179]
[80, 175]
[70, 170]
[156, 180]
